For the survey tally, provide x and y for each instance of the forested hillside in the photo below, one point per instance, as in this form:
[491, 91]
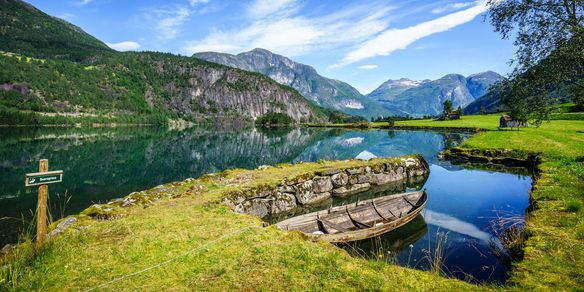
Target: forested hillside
[49, 66]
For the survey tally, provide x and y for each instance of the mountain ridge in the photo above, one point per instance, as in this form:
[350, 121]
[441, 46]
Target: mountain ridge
[326, 92]
[26, 30]
[416, 98]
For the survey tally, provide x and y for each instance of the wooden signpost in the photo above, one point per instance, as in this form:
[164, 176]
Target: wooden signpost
[42, 179]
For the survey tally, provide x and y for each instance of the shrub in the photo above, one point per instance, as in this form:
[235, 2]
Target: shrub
[274, 119]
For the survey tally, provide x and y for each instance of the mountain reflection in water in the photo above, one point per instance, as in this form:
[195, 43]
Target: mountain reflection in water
[104, 163]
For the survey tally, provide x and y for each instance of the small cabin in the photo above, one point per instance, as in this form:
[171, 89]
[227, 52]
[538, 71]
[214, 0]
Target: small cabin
[452, 116]
[506, 122]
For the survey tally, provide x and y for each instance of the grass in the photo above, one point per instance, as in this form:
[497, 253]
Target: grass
[252, 258]
[554, 250]
[95, 252]
[485, 122]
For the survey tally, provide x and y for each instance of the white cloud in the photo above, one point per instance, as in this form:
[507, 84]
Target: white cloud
[278, 28]
[368, 67]
[398, 39]
[452, 7]
[264, 8]
[83, 2]
[196, 2]
[124, 46]
[169, 25]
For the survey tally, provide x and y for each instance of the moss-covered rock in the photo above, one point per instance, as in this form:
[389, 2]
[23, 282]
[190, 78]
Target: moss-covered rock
[322, 180]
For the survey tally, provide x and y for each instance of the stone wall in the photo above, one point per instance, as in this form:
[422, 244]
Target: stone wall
[314, 188]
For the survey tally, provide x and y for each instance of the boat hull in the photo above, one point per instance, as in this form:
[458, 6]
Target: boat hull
[337, 232]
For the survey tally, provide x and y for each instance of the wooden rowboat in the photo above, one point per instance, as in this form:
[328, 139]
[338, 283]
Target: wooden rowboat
[360, 220]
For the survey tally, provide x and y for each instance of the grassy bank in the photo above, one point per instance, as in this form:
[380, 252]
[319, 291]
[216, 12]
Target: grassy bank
[554, 252]
[209, 247]
[204, 246]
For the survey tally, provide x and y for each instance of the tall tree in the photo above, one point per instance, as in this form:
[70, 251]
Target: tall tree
[459, 111]
[447, 106]
[550, 50]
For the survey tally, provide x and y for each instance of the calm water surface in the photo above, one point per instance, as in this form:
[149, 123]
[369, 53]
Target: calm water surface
[101, 164]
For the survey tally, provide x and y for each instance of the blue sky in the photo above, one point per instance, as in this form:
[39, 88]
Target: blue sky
[363, 43]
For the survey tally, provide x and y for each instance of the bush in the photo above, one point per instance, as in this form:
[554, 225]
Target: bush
[274, 119]
[363, 125]
[573, 205]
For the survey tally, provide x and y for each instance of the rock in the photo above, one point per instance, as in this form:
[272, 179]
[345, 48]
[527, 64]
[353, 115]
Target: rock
[381, 178]
[322, 184]
[379, 168]
[340, 179]
[261, 194]
[63, 226]
[282, 202]
[296, 180]
[398, 175]
[263, 167]
[364, 178]
[305, 194]
[284, 188]
[100, 212]
[303, 186]
[258, 207]
[410, 162]
[311, 198]
[359, 170]
[329, 172]
[400, 170]
[7, 248]
[385, 178]
[308, 189]
[115, 201]
[344, 191]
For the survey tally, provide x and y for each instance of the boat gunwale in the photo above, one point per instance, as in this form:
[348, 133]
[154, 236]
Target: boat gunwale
[361, 233]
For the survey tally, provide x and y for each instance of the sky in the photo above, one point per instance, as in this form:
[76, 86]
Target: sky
[363, 43]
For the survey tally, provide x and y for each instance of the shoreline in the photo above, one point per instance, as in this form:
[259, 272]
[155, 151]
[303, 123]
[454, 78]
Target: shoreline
[535, 271]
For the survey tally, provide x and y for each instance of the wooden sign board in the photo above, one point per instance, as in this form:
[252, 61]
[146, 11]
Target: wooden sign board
[43, 178]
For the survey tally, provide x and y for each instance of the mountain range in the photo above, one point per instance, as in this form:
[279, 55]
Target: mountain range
[403, 97]
[49, 65]
[406, 97]
[326, 92]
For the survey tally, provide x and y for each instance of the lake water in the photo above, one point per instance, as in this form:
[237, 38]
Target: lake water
[105, 163]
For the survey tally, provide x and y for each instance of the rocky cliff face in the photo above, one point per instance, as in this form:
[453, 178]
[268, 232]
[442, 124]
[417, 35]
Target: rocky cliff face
[224, 92]
[326, 92]
[418, 98]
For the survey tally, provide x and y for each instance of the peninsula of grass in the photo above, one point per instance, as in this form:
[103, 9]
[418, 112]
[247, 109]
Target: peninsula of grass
[180, 236]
